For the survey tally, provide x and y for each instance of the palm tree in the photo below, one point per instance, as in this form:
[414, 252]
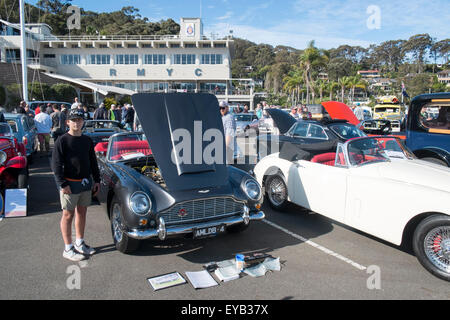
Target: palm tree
[344, 83]
[312, 58]
[292, 84]
[321, 86]
[332, 85]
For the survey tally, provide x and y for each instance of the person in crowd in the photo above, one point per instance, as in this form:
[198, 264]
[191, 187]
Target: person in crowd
[64, 110]
[2, 116]
[359, 112]
[28, 111]
[86, 115]
[49, 109]
[75, 104]
[58, 122]
[229, 127]
[43, 124]
[101, 113]
[294, 113]
[129, 117]
[306, 115]
[21, 108]
[124, 114]
[37, 110]
[245, 109]
[259, 111]
[78, 178]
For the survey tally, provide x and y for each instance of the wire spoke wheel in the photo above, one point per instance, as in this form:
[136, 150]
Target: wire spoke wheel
[437, 247]
[277, 191]
[116, 223]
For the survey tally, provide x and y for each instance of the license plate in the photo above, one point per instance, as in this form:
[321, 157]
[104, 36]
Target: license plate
[208, 231]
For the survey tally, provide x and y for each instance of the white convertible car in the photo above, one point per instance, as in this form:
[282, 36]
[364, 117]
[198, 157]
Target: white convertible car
[373, 184]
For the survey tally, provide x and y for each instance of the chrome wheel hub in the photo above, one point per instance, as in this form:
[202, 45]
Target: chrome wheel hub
[437, 248]
[116, 223]
[277, 191]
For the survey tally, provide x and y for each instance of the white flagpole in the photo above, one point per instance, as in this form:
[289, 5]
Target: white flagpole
[23, 52]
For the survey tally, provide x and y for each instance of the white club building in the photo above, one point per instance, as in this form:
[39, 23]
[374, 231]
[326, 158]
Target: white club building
[124, 64]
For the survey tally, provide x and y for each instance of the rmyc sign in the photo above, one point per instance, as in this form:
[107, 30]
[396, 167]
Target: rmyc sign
[141, 72]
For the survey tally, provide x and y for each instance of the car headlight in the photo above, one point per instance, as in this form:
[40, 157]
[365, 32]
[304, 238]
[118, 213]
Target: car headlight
[252, 189]
[3, 157]
[140, 203]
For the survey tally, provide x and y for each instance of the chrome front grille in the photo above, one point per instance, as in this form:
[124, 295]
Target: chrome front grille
[202, 209]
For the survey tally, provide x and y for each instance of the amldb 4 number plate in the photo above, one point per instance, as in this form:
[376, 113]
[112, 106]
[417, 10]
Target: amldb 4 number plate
[209, 231]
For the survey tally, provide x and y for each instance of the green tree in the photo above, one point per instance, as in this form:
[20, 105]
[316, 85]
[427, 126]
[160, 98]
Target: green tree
[418, 46]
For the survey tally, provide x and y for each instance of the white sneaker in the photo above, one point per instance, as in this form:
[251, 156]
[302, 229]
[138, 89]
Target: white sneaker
[72, 255]
[84, 249]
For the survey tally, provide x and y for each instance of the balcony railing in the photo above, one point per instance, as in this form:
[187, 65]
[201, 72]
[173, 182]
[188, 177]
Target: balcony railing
[117, 38]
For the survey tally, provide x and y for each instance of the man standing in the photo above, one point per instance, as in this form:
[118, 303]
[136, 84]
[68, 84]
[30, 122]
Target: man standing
[294, 113]
[359, 112]
[73, 164]
[129, 117]
[44, 127]
[75, 104]
[58, 122]
[101, 113]
[229, 128]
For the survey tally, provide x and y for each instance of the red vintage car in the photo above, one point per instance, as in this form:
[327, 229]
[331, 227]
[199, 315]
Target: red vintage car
[13, 160]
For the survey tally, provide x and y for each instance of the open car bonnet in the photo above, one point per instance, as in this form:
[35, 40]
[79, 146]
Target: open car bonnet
[282, 120]
[339, 110]
[185, 133]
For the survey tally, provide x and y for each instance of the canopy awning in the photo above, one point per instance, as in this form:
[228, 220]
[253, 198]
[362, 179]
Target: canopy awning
[104, 90]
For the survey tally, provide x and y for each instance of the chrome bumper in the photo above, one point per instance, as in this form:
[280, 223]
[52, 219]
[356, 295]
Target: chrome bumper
[163, 232]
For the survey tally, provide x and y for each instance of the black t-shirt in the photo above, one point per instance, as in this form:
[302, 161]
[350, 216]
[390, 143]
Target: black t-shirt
[74, 158]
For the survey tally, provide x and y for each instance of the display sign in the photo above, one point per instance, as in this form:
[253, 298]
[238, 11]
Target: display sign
[190, 29]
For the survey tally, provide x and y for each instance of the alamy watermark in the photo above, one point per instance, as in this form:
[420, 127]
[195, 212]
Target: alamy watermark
[374, 19]
[374, 280]
[73, 281]
[74, 21]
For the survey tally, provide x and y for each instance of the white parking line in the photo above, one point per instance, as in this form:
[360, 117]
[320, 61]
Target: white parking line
[317, 246]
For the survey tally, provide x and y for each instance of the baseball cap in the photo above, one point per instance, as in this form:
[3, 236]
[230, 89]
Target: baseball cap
[223, 104]
[75, 114]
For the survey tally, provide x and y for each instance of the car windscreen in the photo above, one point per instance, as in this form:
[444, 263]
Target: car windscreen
[347, 131]
[243, 117]
[13, 125]
[102, 124]
[4, 129]
[129, 146]
[376, 149]
[387, 109]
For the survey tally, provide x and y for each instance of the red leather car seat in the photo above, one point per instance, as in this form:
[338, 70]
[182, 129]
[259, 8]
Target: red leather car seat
[325, 158]
[123, 147]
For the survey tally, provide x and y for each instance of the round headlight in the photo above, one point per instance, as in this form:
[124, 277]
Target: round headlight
[252, 189]
[3, 157]
[140, 203]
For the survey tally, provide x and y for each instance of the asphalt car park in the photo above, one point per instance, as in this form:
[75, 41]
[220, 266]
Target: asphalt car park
[321, 259]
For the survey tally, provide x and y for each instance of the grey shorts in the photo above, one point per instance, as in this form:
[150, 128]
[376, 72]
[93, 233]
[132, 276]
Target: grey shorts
[70, 201]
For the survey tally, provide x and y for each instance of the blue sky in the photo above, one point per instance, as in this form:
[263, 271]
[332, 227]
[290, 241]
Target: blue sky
[295, 22]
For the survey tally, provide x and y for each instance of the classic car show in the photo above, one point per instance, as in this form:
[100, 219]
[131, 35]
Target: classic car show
[150, 158]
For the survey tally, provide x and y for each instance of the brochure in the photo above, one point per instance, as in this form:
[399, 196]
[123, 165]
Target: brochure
[15, 203]
[166, 281]
[227, 273]
[260, 270]
[201, 279]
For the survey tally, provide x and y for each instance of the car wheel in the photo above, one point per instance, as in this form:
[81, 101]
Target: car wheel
[435, 160]
[431, 244]
[277, 192]
[123, 243]
[22, 179]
